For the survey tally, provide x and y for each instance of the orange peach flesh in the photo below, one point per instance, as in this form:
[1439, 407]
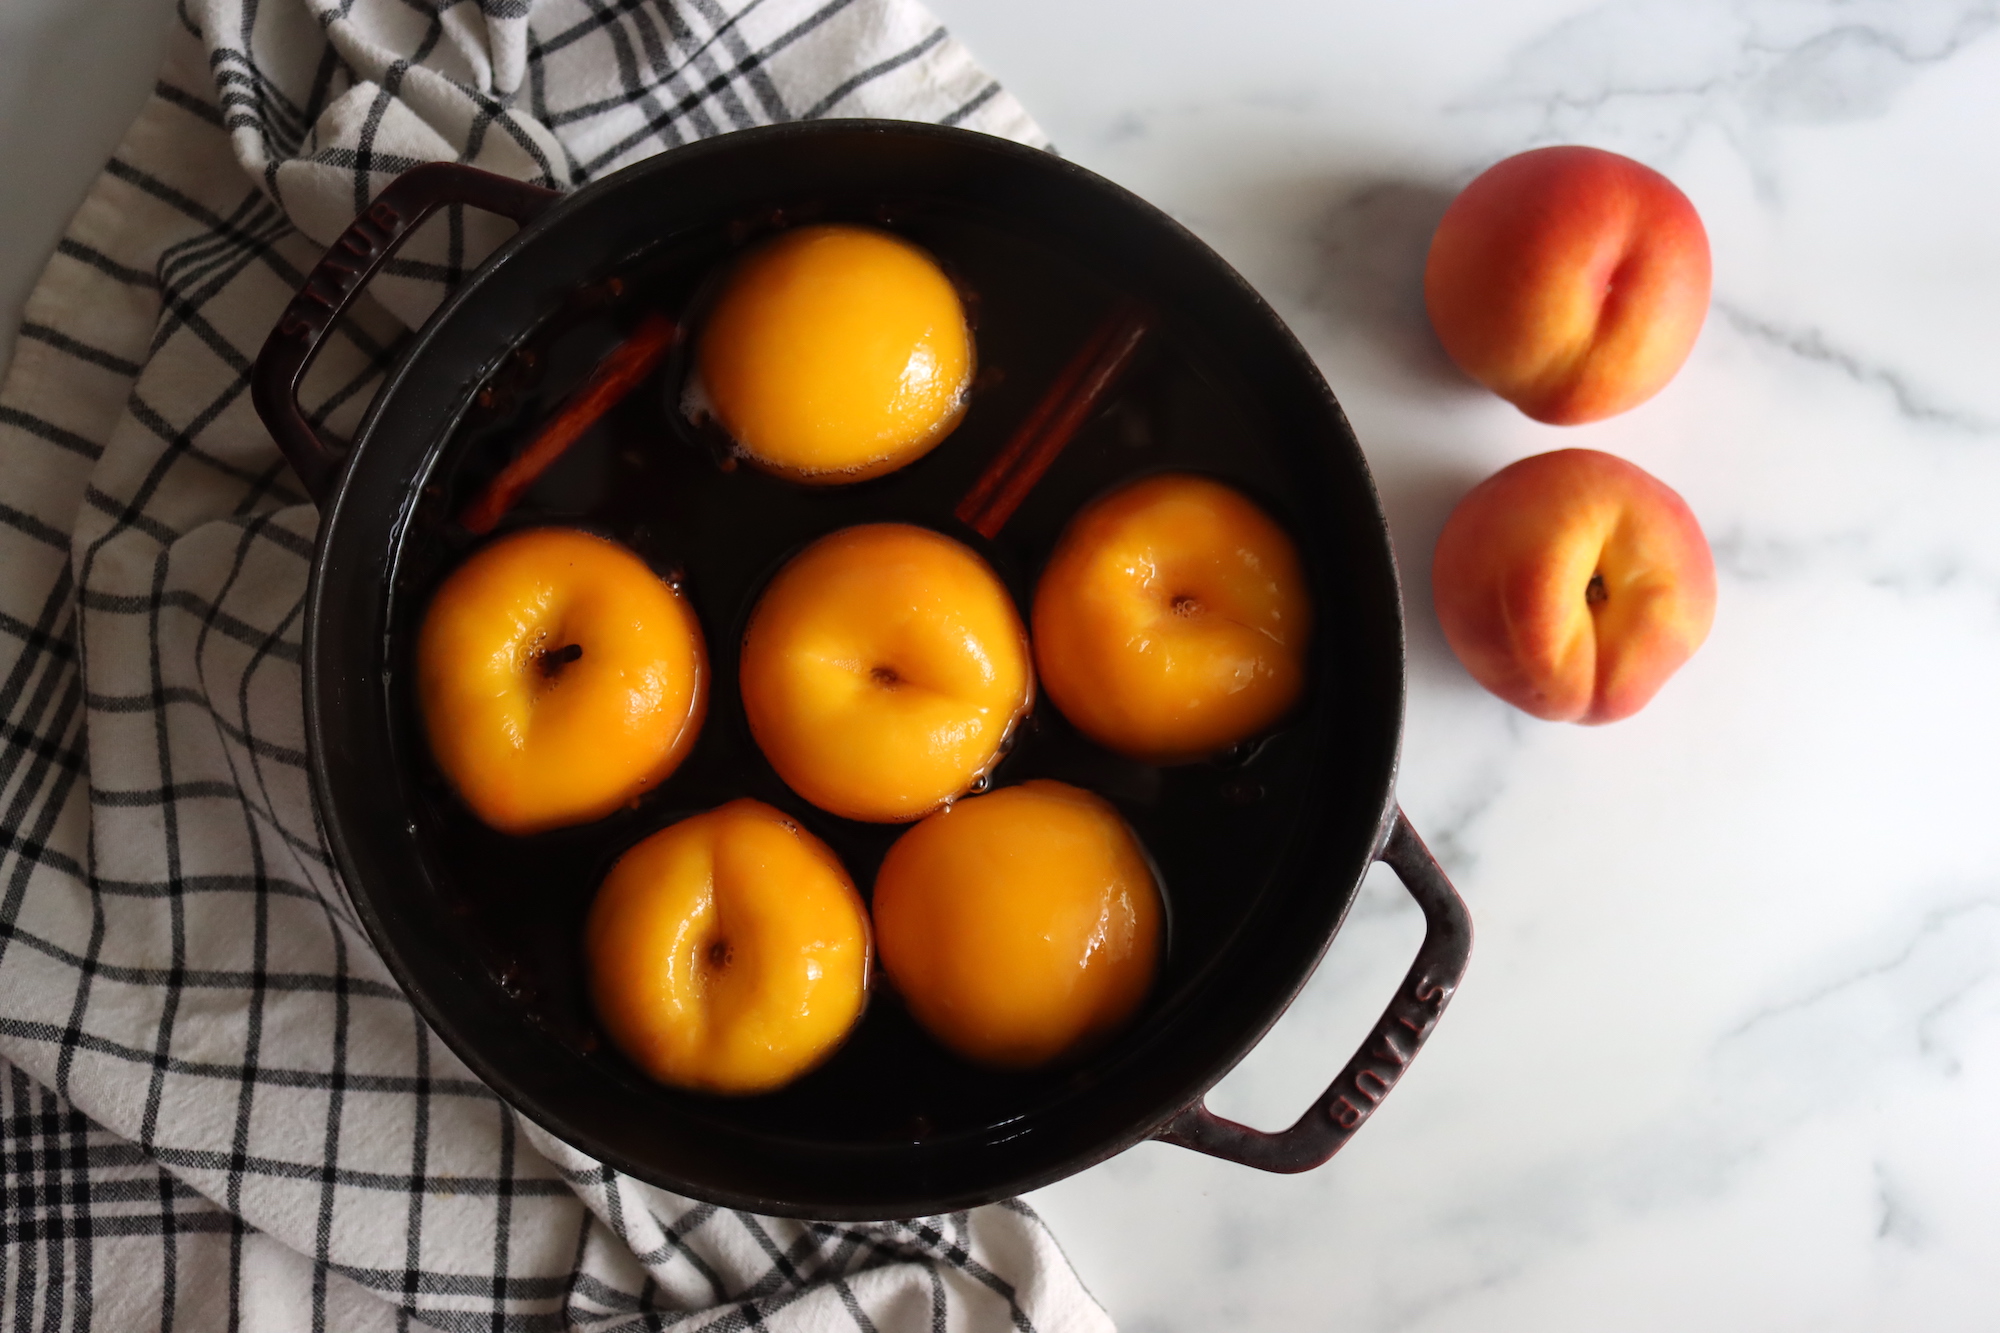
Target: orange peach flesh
[1570, 281]
[559, 678]
[1572, 584]
[1020, 926]
[883, 670]
[836, 353]
[1172, 620]
[728, 952]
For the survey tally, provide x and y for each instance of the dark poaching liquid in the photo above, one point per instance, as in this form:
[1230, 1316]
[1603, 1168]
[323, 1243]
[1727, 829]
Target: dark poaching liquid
[668, 489]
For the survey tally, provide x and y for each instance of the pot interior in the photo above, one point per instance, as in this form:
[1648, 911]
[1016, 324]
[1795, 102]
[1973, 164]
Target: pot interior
[1259, 853]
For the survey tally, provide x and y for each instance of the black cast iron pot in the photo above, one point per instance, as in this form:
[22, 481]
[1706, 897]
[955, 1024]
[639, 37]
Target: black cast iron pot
[1260, 854]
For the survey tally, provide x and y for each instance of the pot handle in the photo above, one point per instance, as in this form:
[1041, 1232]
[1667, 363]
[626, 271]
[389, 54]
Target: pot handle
[341, 273]
[1345, 1106]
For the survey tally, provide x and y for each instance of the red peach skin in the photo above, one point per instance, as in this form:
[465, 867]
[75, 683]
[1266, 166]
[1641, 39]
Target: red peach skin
[1572, 584]
[1570, 281]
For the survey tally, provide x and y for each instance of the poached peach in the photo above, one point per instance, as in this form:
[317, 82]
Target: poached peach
[1573, 584]
[836, 353]
[1019, 926]
[883, 669]
[728, 952]
[559, 678]
[1172, 620]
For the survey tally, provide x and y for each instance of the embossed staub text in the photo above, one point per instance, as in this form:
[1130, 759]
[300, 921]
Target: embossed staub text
[343, 269]
[1387, 1052]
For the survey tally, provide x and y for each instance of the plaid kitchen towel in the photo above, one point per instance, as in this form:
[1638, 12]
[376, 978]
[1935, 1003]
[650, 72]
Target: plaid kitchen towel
[217, 1110]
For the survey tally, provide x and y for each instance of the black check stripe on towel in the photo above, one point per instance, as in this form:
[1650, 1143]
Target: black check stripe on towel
[218, 1110]
[93, 1234]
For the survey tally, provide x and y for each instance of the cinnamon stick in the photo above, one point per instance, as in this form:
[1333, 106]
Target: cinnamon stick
[1071, 399]
[622, 370]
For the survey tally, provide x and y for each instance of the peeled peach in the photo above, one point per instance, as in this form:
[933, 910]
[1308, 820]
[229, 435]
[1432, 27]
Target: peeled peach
[1172, 620]
[1572, 584]
[1019, 926]
[836, 353]
[559, 678]
[883, 669]
[728, 952]
[1570, 281]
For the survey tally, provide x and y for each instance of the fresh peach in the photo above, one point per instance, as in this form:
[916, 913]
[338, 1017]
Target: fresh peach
[728, 952]
[1572, 584]
[1570, 281]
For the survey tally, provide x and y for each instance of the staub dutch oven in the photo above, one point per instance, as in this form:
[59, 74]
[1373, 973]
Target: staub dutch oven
[1260, 853]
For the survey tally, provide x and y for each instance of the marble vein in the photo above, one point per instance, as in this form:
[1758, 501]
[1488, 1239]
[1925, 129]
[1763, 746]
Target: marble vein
[1940, 923]
[1896, 563]
[1745, 67]
[1450, 832]
[1898, 1223]
[1810, 345]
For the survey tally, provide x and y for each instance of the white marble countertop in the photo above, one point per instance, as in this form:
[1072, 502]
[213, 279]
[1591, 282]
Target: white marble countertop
[1729, 1052]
